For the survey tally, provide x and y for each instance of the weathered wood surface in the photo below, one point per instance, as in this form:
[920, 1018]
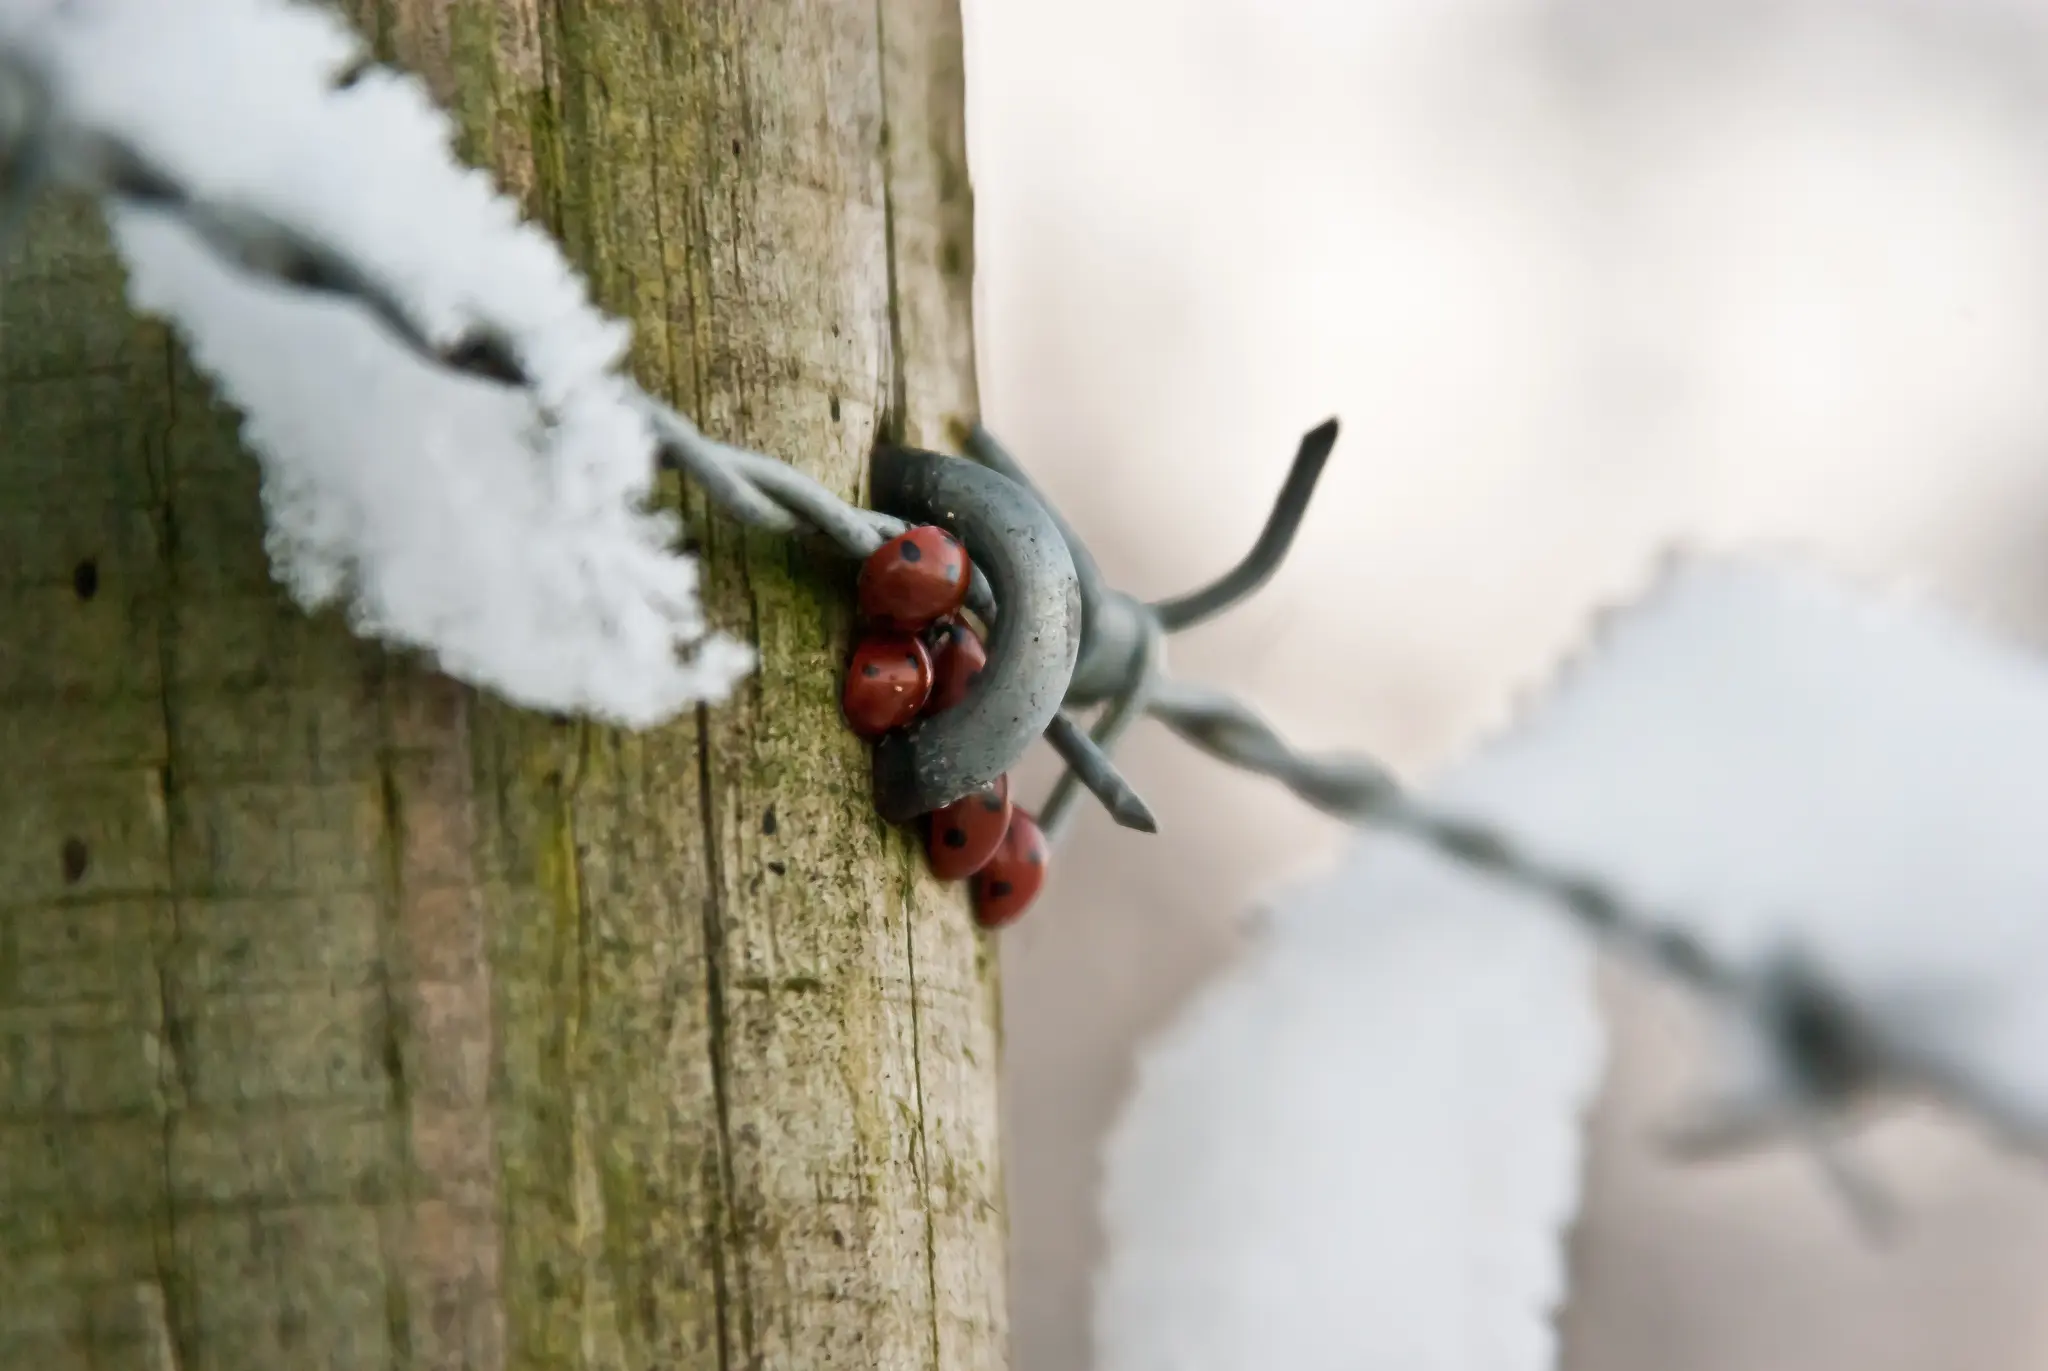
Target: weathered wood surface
[350, 1020]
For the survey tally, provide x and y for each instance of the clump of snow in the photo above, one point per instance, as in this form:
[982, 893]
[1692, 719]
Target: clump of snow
[503, 531]
[1359, 1150]
[1780, 763]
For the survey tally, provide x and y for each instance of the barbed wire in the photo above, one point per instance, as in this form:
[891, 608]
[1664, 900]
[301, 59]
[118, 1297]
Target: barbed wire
[40, 147]
[1121, 668]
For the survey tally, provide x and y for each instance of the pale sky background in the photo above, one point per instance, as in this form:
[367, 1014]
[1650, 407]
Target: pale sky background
[1584, 279]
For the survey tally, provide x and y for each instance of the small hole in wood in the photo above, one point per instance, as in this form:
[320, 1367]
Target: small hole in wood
[835, 409]
[75, 860]
[85, 579]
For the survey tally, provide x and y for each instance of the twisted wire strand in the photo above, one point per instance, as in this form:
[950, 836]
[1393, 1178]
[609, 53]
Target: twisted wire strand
[1360, 791]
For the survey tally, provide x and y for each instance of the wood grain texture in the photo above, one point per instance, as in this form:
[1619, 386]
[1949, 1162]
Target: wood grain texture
[351, 1020]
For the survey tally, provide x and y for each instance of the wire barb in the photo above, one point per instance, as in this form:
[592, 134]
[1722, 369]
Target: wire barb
[1091, 767]
[1258, 566]
[1117, 716]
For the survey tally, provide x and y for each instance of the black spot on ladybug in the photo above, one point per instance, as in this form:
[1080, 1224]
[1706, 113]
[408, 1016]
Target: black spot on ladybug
[1035, 857]
[871, 671]
[992, 802]
[998, 889]
[911, 657]
[952, 571]
[911, 552]
[948, 539]
[954, 837]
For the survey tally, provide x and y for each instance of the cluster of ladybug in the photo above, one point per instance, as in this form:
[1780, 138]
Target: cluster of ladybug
[916, 658]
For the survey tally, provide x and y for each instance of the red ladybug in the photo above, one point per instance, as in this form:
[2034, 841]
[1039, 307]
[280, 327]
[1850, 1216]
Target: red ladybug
[889, 681]
[1009, 883]
[915, 578]
[964, 834]
[957, 661]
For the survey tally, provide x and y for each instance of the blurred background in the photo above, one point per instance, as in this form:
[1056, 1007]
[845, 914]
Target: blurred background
[1585, 280]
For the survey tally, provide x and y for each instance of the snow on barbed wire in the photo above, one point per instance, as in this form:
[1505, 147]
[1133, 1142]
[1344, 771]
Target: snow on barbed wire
[502, 529]
[1822, 810]
[1811, 782]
